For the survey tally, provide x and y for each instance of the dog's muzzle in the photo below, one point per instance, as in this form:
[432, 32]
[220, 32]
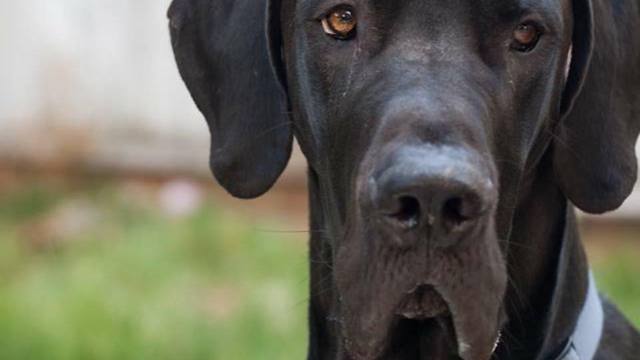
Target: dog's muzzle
[423, 256]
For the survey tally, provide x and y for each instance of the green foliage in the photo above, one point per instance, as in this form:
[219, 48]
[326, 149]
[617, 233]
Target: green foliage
[142, 285]
[619, 278]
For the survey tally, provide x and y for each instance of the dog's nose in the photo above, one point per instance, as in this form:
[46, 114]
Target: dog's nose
[441, 192]
[411, 200]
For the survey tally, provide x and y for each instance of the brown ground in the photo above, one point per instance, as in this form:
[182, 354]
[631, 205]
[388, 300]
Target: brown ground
[287, 203]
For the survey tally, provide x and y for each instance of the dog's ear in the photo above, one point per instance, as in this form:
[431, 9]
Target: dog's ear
[594, 152]
[228, 53]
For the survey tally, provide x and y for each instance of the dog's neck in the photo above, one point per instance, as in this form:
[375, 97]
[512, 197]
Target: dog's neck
[548, 272]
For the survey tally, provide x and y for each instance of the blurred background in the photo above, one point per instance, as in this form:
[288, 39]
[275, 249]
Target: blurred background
[115, 243]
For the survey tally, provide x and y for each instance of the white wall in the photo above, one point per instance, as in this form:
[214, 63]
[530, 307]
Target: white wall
[96, 77]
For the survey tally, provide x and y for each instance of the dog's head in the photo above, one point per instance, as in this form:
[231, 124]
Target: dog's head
[418, 119]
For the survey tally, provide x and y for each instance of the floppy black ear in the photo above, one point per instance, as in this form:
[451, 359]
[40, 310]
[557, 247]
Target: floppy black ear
[223, 50]
[594, 153]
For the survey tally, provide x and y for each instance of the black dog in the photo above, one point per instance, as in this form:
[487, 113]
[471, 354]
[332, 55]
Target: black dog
[447, 142]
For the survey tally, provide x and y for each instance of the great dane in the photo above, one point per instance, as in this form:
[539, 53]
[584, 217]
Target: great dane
[448, 142]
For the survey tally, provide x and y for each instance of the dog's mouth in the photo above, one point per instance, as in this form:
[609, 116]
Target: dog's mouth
[427, 322]
[423, 303]
[432, 338]
[425, 329]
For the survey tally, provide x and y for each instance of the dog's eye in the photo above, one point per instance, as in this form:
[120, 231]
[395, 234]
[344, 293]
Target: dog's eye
[525, 37]
[340, 23]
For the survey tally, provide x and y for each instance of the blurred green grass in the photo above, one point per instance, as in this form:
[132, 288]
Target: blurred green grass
[97, 272]
[618, 276]
[139, 284]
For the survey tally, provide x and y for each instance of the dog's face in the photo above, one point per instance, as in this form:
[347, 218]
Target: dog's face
[415, 116]
[418, 119]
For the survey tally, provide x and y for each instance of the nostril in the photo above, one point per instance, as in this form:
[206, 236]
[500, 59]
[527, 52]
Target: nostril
[458, 210]
[408, 212]
[452, 211]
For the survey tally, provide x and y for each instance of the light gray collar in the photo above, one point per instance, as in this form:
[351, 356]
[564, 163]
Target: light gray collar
[585, 340]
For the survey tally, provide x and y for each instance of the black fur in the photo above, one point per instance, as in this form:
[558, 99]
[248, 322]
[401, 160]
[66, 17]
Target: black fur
[443, 164]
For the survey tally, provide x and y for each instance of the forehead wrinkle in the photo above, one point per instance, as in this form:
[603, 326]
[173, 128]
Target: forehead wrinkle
[545, 7]
[310, 8]
[549, 9]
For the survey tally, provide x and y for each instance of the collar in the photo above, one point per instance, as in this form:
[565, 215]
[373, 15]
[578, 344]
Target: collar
[584, 342]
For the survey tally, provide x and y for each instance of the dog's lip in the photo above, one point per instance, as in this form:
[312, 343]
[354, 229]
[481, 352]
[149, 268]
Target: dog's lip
[432, 338]
[422, 303]
[425, 303]
[425, 306]
[445, 323]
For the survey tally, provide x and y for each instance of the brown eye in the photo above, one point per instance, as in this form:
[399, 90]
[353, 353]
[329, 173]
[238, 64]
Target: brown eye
[340, 23]
[525, 37]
